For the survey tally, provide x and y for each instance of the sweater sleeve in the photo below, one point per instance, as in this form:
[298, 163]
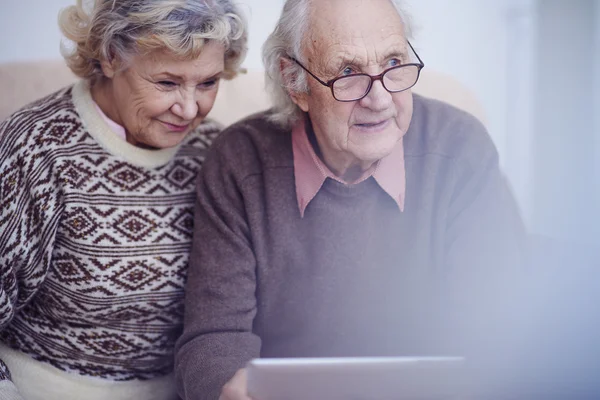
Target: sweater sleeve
[30, 210]
[220, 303]
[485, 248]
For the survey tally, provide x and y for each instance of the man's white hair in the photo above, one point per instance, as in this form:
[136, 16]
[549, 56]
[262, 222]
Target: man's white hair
[286, 41]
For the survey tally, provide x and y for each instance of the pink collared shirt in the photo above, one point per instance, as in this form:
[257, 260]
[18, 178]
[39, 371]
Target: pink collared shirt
[116, 128]
[310, 172]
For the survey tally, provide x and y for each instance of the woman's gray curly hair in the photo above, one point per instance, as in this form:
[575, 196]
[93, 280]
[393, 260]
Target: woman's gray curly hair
[122, 29]
[286, 41]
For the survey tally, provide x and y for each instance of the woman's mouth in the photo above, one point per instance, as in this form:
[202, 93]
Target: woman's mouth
[174, 127]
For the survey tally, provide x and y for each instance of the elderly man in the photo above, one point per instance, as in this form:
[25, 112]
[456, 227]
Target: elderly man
[354, 219]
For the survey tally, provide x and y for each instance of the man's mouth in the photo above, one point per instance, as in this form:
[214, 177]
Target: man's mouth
[373, 124]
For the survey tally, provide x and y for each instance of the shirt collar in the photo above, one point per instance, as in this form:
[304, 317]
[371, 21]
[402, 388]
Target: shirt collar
[310, 172]
[114, 127]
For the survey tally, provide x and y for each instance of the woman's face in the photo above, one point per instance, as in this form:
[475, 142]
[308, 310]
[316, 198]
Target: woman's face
[159, 98]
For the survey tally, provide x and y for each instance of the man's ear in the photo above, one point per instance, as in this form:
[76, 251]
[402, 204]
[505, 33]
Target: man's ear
[289, 77]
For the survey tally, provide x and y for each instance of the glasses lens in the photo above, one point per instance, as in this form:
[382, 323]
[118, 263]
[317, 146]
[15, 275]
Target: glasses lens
[351, 87]
[401, 78]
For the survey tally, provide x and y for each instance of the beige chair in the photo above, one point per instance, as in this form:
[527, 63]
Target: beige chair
[24, 82]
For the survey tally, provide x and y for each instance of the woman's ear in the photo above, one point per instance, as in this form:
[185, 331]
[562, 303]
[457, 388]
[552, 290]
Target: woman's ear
[288, 75]
[109, 67]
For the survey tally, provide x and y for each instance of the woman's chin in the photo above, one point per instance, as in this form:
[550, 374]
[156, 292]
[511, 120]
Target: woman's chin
[169, 140]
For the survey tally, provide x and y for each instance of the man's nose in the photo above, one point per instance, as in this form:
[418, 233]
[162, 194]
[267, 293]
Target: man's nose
[378, 98]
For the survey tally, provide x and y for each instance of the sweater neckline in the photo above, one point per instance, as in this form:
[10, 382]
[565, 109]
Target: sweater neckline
[349, 190]
[102, 133]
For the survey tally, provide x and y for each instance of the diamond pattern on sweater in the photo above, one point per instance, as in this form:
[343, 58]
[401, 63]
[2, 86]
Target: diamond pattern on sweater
[11, 182]
[134, 225]
[75, 175]
[127, 177]
[184, 222]
[180, 175]
[136, 275]
[70, 269]
[79, 223]
[59, 130]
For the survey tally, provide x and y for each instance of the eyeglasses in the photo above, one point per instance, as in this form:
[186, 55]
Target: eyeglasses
[356, 86]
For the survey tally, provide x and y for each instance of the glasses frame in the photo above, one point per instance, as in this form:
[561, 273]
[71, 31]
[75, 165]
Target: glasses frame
[420, 65]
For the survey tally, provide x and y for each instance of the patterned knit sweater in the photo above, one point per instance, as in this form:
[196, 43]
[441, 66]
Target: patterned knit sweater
[94, 240]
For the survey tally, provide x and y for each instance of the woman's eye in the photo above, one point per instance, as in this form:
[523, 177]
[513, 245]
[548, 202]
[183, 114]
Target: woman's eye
[209, 84]
[167, 83]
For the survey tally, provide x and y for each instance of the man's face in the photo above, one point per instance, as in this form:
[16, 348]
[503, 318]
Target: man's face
[347, 37]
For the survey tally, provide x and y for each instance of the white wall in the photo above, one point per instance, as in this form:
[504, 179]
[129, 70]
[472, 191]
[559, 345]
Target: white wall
[467, 38]
[596, 107]
[521, 70]
[28, 29]
[564, 135]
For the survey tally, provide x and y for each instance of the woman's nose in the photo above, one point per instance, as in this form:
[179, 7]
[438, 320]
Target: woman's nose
[187, 106]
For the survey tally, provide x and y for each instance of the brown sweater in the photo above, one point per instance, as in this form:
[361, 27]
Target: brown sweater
[355, 276]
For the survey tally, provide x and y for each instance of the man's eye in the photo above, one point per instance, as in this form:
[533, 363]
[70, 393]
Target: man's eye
[394, 62]
[347, 71]
[167, 83]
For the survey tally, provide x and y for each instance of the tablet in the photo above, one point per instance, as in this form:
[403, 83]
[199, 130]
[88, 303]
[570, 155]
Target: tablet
[379, 378]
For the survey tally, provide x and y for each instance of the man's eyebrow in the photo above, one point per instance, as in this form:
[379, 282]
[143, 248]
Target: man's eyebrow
[334, 65]
[397, 51]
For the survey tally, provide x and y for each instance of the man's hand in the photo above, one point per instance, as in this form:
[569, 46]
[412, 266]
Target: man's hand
[236, 388]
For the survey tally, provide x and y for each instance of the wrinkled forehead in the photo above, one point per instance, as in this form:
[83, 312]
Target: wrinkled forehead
[357, 28]
[210, 62]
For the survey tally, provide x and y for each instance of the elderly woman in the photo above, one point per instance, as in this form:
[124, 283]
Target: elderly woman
[97, 191]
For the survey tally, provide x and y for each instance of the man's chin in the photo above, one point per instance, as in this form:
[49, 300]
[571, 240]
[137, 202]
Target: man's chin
[373, 157]
[377, 151]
